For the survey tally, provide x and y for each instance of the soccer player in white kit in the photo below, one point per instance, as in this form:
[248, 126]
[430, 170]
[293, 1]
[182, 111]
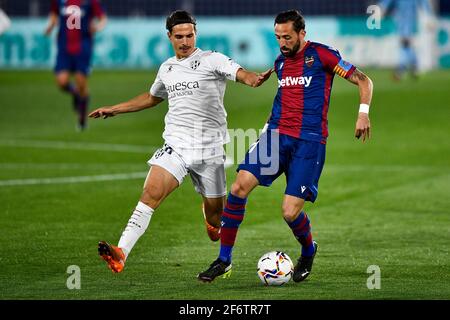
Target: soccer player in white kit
[195, 131]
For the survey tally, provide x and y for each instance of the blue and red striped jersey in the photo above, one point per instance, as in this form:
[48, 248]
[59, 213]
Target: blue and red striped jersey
[301, 105]
[75, 18]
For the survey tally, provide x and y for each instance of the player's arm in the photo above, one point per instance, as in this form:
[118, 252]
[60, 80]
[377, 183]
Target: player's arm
[99, 24]
[365, 85]
[141, 102]
[252, 79]
[52, 21]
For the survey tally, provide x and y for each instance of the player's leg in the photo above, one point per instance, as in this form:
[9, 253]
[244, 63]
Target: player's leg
[298, 221]
[233, 213]
[63, 81]
[231, 218]
[408, 58]
[412, 61]
[251, 173]
[63, 67]
[302, 176]
[82, 66]
[208, 178]
[212, 211]
[81, 80]
[263, 163]
[158, 185]
[166, 174]
[214, 207]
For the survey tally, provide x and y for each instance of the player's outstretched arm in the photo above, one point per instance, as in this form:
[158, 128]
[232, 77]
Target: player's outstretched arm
[253, 79]
[365, 85]
[141, 102]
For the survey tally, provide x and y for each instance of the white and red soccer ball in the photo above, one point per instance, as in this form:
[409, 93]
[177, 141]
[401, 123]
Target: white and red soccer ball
[275, 268]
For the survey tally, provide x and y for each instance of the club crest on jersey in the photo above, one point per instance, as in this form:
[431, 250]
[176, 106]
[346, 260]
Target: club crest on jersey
[169, 69]
[195, 64]
[309, 61]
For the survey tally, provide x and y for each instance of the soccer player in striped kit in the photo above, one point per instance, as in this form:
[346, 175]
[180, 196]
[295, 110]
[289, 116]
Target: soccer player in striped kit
[78, 21]
[294, 139]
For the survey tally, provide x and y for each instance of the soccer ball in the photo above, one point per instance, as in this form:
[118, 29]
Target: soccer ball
[275, 268]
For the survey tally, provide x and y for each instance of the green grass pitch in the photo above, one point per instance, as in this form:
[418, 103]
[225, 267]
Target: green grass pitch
[384, 202]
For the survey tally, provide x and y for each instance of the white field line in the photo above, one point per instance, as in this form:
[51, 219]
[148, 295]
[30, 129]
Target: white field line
[382, 168]
[94, 146]
[141, 175]
[228, 163]
[70, 166]
[70, 180]
[65, 145]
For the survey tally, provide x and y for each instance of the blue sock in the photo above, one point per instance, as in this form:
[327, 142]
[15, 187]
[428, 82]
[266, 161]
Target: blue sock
[232, 217]
[301, 228]
[308, 250]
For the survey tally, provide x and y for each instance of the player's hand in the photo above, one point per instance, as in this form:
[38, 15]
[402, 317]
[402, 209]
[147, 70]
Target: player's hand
[93, 28]
[102, 112]
[262, 77]
[362, 126]
[48, 31]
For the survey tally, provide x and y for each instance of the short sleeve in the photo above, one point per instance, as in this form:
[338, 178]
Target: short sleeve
[158, 89]
[333, 63]
[224, 66]
[97, 9]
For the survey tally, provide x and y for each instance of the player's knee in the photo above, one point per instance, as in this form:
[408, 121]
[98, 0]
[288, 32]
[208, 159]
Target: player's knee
[238, 189]
[152, 196]
[290, 212]
[62, 83]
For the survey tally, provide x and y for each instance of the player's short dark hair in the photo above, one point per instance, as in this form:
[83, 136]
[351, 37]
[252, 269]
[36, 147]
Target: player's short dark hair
[179, 17]
[294, 16]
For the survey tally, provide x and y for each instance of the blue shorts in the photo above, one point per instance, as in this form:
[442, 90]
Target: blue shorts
[300, 160]
[73, 63]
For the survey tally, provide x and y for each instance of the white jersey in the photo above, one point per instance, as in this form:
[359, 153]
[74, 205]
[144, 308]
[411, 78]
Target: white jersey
[195, 87]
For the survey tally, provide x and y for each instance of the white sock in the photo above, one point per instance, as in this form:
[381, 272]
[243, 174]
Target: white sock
[136, 227]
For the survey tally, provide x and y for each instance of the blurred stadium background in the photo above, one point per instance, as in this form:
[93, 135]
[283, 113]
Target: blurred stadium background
[381, 203]
[135, 35]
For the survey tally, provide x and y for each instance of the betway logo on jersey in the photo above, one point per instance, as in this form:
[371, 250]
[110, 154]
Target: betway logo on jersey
[294, 81]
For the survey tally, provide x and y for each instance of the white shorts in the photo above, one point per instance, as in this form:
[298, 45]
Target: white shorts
[208, 176]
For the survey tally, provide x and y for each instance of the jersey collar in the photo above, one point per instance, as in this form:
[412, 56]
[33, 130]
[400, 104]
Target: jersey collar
[191, 55]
